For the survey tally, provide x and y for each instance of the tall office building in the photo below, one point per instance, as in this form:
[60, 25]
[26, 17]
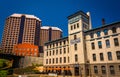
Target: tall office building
[48, 33]
[20, 28]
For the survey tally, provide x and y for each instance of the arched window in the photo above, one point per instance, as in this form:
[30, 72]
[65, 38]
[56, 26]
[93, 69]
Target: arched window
[98, 34]
[112, 71]
[118, 55]
[95, 69]
[114, 30]
[105, 31]
[91, 35]
[103, 69]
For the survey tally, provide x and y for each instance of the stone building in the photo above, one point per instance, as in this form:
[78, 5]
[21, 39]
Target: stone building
[86, 51]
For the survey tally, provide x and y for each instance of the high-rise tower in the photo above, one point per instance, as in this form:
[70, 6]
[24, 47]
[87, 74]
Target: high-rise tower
[20, 28]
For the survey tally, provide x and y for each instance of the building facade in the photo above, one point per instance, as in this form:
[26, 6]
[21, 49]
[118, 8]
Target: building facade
[48, 33]
[89, 52]
[20, 28]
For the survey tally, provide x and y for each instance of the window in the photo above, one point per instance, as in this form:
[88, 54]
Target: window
[93, 45]
[47, 53]
[101, 56]
[60, 51]
[114, 29]
[56, 60]
[64, 59]
[64, 42]
[60, 59]
[75, 46]
[56, 52]
[49, 61]
[75, 37]
[46, 61]
[94, 57]
[112, 71]
[64, 50]
[50, 53]
[71, 27]
[68, 49]
[91, 35]
[68, 60]
[53, 60]
[107, 43]
[118, 55]
[95, 70]
[74, 26]
[77, 25]
[56, 44]
[53, 45]
[76, 58]
[109, 56]
[105, 31]
[50, 45]
[53, 52]
[103, 69]
[99, 44]
[98, 34]
[116, 43]
[60, 43]
[119, 67]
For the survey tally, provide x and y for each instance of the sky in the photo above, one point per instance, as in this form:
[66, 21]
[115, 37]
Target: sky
[55, 12]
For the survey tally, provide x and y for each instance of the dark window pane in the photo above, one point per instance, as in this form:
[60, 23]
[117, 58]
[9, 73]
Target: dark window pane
[107, 43]
[118, 55]
[91, 35]
[101, 56]
[114, 29]
[64, 59]
[95, 70]
[93, 45]
[56, 60]
[71, 27]
[99, 44]
[109, 56]
[116, 43]
[103, 69]
[75, 46]
[112, 71]
[94, 57]
[77, 25]
[106, 32]
[98, 34]
[76, 58]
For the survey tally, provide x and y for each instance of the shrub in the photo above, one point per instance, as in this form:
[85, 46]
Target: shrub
[3, 73]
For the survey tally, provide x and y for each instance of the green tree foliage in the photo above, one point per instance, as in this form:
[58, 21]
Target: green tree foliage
[3, 73]
[3, 63]
[26, 70]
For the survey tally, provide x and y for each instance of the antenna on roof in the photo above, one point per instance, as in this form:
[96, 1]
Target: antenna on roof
[103, 21]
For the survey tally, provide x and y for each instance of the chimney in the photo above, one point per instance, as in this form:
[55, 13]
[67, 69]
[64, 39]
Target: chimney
[103, 21]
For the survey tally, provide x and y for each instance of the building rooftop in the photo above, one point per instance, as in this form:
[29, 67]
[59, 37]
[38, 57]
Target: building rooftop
[53, 28]
[56, 40]
[103, 26]
[76, 14]
[26, 15]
